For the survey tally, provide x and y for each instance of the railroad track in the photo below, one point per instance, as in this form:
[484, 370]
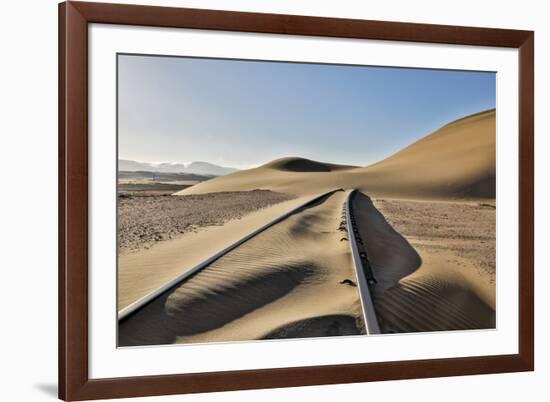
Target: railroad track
[363, 269]
[143, 301]
[360, 262]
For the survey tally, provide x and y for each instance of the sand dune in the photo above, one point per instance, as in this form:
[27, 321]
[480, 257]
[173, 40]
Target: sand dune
[296, 164]
[284, 282]
[437, 301]
[456, 161]
[421, 289]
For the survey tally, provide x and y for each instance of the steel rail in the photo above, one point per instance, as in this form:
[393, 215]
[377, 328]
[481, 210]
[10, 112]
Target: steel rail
[141, 302]
[363, 271]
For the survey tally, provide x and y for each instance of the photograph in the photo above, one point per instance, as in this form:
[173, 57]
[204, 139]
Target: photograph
[268, 200]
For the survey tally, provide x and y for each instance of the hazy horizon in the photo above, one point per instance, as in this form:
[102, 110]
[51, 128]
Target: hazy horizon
[242, 114]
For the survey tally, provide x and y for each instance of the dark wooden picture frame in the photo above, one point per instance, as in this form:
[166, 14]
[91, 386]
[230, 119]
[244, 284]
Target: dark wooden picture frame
[74, 381]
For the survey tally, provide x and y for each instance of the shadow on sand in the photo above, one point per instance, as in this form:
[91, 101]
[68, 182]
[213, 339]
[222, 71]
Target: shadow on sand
[410, 296]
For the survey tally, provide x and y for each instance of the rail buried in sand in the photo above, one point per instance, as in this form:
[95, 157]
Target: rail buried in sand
[363, 270]
[138, 304]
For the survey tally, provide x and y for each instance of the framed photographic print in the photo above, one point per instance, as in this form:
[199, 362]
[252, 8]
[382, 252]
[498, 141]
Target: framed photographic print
[259, 200]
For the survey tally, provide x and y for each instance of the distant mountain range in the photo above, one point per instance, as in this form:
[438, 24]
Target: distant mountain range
[198, 168]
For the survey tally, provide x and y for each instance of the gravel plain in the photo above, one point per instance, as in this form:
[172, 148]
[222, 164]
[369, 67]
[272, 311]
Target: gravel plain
[145, 219]
[467, 229]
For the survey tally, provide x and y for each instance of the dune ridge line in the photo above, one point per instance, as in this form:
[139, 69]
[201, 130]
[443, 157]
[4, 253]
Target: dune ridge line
[457, 161]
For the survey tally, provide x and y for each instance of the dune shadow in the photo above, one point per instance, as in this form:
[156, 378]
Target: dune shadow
[391, 256]
[327, 325]
[433, 303]
[430, 300]
[200, 305]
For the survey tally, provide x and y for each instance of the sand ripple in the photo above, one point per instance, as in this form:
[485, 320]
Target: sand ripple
[421, 292]
[299, 260]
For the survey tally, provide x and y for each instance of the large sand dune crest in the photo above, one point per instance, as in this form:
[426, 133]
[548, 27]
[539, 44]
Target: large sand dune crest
[456, 161]
[297, 164]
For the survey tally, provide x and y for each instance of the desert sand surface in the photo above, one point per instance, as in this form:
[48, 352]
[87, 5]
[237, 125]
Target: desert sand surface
[427, 217]
[285, 282]
[142, 270]
[456, 161]
[143, 222]
[434, 263]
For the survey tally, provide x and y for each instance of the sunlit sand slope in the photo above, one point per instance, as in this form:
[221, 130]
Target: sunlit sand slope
[456, 161]
[142, 272]
[291, 175]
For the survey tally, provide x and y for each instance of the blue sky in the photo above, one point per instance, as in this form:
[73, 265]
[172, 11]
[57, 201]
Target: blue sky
[246, 113]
